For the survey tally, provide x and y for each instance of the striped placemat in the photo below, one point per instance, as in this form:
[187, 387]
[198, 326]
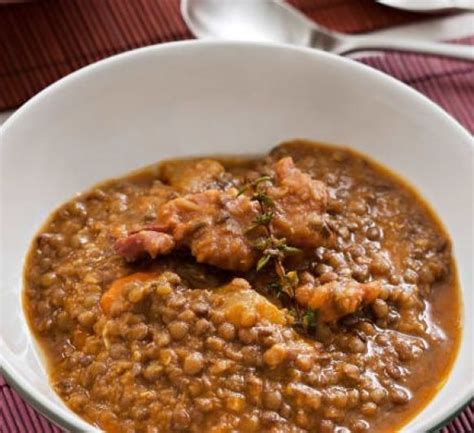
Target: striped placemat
[447, 82]
[44, 40]
[18, 417]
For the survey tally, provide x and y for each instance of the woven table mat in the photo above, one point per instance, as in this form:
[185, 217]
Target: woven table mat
[43, 41]
[447, 82]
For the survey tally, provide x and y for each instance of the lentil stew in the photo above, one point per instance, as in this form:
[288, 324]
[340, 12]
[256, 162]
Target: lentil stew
[310, 290]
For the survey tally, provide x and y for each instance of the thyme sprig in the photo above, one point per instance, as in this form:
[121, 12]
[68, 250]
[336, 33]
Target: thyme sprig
[254, 184]
[306, 320]
[274, 251]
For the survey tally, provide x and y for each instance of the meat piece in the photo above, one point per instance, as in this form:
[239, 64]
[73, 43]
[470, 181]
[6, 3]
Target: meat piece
[214, 223]
[244, 307]
[338, 298]
[189, 177]
[144, 242]
[300, 203]
[211, 223]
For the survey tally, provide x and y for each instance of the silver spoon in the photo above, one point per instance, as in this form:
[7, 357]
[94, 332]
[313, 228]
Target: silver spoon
[429, 5]
[276, 21]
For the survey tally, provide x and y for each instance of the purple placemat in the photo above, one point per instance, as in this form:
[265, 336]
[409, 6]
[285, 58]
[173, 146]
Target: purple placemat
[42, 41]
[18, 417]
[447, 82]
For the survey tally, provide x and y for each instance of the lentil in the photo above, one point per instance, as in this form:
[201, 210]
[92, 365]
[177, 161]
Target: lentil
[151, 346]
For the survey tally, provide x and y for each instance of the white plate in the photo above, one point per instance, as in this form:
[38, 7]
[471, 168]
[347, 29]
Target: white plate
[206, 98]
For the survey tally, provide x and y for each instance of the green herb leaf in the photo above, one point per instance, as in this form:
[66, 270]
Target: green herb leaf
[263, 261]
[260, 243]
[293, 313]
[274, 287]
[260, 220]
[253, 184]
[309, 319]
[261, 179]
[295, 318]
[292, 278]
[289, 251]
[263, 219]
[243, 190]
[263, 198]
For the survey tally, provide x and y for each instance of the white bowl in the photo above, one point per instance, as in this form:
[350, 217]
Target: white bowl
[212, 98]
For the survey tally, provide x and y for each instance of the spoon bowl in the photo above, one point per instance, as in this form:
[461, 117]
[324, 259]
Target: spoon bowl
[258, 21]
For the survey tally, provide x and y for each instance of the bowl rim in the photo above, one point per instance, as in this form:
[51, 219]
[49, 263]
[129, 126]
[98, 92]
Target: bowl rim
[64, 417]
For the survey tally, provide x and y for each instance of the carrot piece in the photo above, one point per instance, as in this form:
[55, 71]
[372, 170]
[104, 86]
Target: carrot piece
[114, 293]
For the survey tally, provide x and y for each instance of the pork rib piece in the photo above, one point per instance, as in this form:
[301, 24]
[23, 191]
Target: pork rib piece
[214, 223]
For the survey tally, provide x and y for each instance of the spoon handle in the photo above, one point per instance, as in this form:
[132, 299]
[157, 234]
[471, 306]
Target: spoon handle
[429, 6]
[352, 44]
[467, 5]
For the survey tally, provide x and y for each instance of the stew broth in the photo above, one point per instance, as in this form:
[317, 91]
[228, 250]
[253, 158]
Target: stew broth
[310, 290]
